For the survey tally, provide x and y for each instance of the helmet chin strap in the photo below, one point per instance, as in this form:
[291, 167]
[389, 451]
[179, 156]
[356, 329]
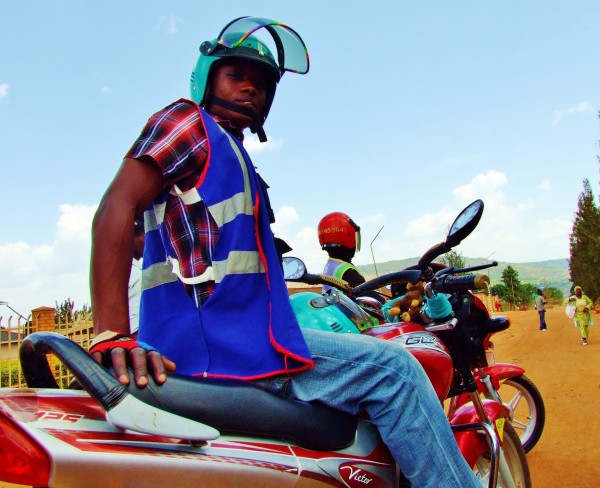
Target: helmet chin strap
[256, 126]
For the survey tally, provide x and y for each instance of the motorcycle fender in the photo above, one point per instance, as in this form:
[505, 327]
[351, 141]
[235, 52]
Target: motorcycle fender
[502, 371]
[471, 443]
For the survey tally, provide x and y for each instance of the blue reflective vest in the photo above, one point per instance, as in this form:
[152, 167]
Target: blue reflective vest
[246, 328]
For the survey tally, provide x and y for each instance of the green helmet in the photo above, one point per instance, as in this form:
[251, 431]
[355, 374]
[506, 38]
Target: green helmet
[237, 42]
[251, 48]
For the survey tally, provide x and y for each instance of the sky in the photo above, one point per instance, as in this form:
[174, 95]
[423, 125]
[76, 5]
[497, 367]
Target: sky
[409, 112]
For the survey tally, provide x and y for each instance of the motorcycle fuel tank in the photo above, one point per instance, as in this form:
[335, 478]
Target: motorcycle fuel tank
[429, 350]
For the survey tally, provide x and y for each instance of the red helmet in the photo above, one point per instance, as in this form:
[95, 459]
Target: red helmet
[338, 229]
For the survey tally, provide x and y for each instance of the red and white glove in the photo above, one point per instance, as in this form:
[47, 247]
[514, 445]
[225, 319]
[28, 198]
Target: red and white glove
[109, 339]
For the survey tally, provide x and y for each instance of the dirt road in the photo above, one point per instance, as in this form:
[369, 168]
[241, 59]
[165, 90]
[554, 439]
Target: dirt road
[568, 376]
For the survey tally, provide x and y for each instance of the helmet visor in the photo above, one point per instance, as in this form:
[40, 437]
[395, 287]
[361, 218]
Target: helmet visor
[291, 51]
[357, 236]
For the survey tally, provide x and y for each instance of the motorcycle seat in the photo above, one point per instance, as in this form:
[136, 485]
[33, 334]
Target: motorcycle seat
[230, 406]
[240, 407]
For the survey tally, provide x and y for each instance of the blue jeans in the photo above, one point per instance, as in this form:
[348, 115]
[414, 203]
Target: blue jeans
[542, 319]
[356, 373]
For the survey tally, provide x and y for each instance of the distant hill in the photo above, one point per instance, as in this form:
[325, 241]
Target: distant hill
[554, 272]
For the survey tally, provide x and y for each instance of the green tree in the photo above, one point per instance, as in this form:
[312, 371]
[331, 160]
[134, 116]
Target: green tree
[554, 295]
[515, 293]
[453, 258]
[502, 291]
[528, 294]
[86, 310]
[64, 312]
[584, 244]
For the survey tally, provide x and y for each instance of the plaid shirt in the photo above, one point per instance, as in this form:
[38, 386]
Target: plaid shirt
[175, 140]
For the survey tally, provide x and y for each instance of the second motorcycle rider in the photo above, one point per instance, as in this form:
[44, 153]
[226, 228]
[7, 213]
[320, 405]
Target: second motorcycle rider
[208, 233]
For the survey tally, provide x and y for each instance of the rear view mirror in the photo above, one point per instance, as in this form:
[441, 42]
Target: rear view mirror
[293, 268]
[464, 224]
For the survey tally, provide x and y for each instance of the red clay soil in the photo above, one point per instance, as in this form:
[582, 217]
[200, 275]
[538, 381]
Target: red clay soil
[568, 376]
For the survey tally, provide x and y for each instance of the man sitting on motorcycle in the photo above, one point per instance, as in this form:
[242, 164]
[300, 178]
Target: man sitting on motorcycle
[214, 300]
[339, 236]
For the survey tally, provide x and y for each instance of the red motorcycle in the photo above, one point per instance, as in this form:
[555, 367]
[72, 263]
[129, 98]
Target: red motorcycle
[464, 335]
[518, 392]
[194, 432]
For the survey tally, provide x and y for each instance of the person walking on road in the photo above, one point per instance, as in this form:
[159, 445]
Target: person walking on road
[540, 305]
[583, 314]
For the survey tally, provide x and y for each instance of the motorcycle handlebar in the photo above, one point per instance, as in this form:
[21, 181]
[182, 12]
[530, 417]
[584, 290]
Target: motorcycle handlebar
[446, 283]
[452, 284]
[433, 253]
[412, 275]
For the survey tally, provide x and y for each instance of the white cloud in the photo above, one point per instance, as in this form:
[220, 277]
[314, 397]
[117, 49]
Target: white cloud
[546, 186]
[106, 90]
[306, 246]
[74, 222]
[253, 145]
[170, 24]
[303, 240]
[40, 275]
[513, 232]
[285, 216]
[35, 275]
[510, 230]
[482, 184]
[3, 90]
[580, 107]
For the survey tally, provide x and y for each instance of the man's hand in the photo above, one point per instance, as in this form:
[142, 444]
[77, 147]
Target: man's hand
[125, 351]
[135, 186]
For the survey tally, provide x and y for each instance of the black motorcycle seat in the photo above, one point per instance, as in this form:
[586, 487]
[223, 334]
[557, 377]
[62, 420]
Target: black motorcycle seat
[241, 407]
[230, 406]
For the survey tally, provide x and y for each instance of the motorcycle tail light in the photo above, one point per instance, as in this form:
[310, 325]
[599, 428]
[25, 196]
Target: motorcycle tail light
[22, 460]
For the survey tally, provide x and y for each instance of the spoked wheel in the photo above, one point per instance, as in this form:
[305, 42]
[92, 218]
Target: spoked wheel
[527, 411]
[513, 471]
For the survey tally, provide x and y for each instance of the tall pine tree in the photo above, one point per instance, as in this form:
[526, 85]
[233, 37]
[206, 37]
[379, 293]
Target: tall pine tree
[584, 242]
[514, 292]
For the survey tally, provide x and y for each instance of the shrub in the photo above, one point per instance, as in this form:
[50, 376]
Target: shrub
[9, 374]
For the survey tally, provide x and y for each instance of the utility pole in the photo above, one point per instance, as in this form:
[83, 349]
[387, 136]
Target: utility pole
[513, 292]
[372, 253]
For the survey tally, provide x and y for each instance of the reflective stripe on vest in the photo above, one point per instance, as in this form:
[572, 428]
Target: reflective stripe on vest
[238, 262]
[246, 328]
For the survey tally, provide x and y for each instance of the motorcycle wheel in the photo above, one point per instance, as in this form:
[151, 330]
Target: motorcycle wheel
[528, 413]
[513, 453]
